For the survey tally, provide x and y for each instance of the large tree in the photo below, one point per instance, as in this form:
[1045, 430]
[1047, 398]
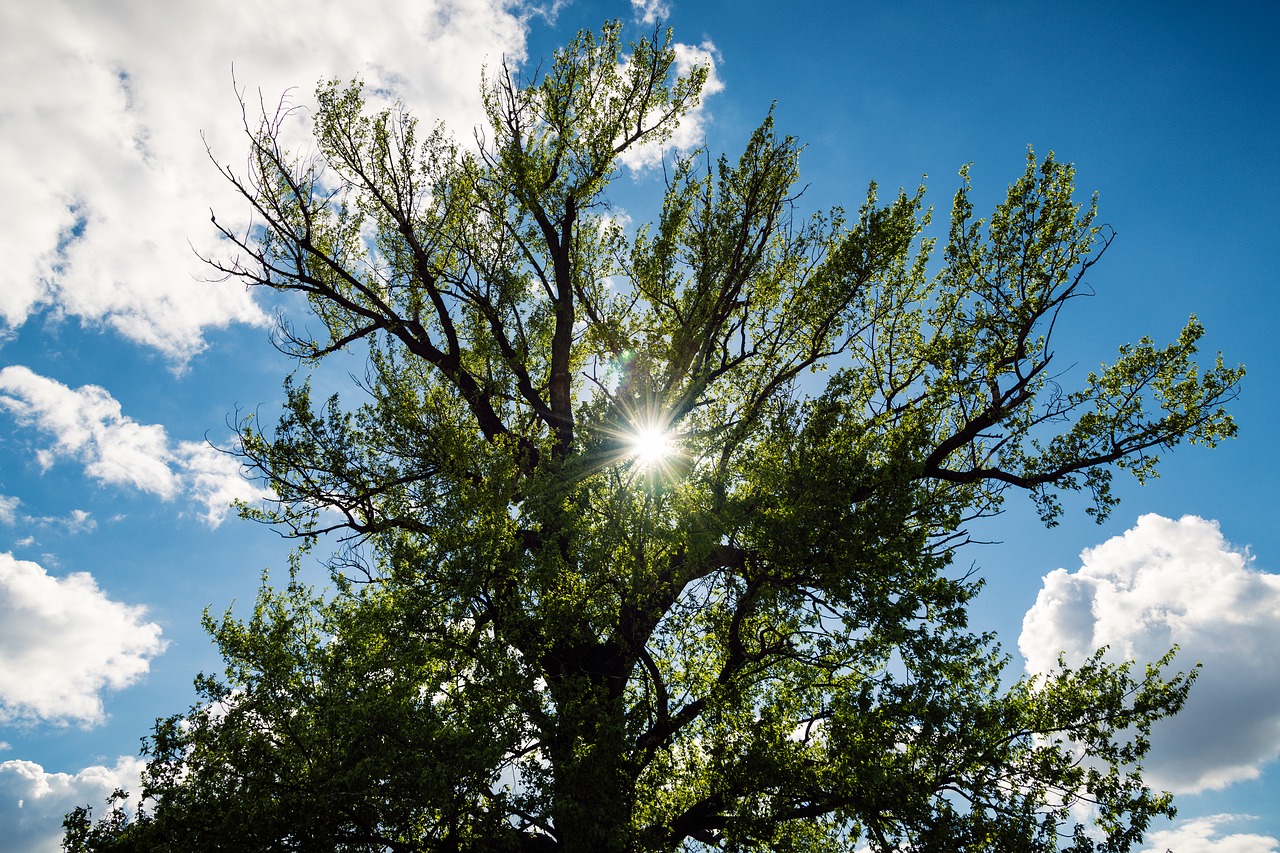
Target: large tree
[648, 535]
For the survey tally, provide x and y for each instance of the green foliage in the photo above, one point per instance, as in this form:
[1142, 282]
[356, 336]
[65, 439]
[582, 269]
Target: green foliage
[535, 642]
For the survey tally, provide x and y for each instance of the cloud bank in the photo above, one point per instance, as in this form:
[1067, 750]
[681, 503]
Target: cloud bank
[1204, 835]
[63, 642]
[1167, 582]
[33, 801]
[111, 185]
[87, 425]
[108, 208]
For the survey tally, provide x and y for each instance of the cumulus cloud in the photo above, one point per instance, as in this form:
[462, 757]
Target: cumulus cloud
[1203, 835]
[1167, 582]
[33, 801]
[88, 425]
[63, 641]
[214, 480]
[114, 186]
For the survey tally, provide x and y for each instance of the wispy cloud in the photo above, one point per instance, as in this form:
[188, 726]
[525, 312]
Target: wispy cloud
[651, 11]
[8, 509]
[63, 642]
[87, 424]
[33, 800]
[115, 187]
[1167, 582]
[76, 521]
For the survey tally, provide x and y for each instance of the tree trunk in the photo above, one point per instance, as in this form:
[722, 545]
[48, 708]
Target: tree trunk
[593, 792]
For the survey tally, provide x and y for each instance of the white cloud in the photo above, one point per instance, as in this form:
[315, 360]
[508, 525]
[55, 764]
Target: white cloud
[1167, 582]
[113, 187]
[1202, 835]
[88, 425]
[80, 521]
[651, 11]
[8, 509]
[63, 641]
[213, 477]
[691, 132]
[76, 521]
[33, 801]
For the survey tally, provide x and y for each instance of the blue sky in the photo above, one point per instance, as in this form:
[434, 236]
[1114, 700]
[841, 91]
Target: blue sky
[118, 360]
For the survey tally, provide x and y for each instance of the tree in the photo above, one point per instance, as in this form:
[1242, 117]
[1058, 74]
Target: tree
[648, 538]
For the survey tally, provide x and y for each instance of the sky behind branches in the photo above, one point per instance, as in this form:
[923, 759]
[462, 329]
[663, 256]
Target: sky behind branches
[121, 363]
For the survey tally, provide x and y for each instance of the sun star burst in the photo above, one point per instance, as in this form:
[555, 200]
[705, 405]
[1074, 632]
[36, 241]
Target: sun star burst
[651, 446]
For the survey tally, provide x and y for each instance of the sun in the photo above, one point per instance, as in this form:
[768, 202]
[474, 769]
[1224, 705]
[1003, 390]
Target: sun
[651, 446]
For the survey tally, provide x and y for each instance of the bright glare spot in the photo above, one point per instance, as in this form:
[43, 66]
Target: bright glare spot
[651, 446]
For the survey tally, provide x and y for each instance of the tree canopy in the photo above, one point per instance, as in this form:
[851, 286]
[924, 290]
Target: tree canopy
[647, 535]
